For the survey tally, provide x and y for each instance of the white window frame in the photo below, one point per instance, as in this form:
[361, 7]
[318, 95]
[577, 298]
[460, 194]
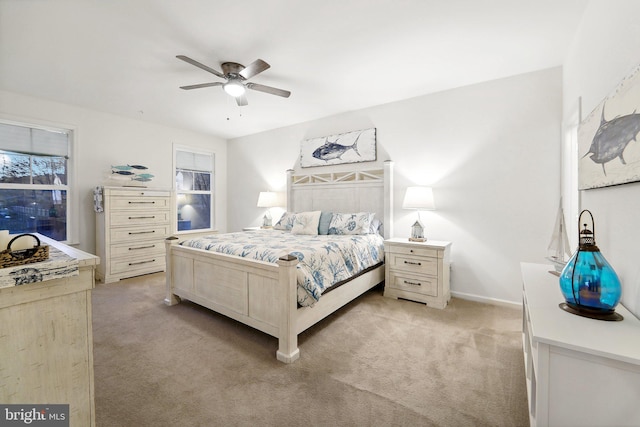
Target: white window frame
[72, 195]
[177, 192]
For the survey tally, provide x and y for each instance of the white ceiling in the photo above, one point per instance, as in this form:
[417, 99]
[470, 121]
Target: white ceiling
[118, 56]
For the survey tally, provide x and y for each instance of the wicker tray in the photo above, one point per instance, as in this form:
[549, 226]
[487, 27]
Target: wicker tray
[38, 253]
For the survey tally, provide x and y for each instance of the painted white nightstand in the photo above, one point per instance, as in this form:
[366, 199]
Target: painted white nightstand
[418, 271]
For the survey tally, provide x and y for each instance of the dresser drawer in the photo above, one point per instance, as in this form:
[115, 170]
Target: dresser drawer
[135, 249]
[418, 284]
[133, 234]
[413, 264]
[119, 218]
[120, 192]
[138, 265]
[139, 203]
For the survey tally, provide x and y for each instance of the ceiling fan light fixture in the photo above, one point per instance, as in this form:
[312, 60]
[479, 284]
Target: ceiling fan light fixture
[234, 88]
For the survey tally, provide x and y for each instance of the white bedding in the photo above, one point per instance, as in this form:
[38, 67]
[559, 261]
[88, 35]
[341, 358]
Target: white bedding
[324, 260]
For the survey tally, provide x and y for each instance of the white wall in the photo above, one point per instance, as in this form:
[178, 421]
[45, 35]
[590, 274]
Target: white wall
[103, 140]
[491, 151]
[605, 50]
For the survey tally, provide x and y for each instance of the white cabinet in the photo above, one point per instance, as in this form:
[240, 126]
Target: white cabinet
[46, 341]
[130, 232]
[417, 271]
[580, 371]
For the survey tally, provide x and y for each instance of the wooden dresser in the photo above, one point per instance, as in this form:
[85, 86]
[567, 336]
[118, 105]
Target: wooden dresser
[130, 232]
[579, 371]
[417, 271]
[46, 341]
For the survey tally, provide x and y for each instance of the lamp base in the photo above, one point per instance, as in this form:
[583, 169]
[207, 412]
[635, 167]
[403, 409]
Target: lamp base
[610, 316]
[417, 239]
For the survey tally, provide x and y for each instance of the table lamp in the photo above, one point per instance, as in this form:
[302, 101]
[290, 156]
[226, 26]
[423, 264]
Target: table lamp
[418, 198]
[267, 199]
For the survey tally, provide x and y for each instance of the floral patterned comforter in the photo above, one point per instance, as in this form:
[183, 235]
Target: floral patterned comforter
[323, 260]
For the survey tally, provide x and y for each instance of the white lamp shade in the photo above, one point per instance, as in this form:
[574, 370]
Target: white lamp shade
[267, 199]
[420, 198]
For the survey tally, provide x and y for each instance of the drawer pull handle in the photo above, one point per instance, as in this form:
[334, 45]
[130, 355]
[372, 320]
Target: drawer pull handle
[141, 262]
[142, 247]
[141, 232]
[413, 263]
[142, 203]
[142, 217]
[406, 282]
[411, 250]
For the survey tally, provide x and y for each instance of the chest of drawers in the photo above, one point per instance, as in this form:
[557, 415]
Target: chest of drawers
[417, 271]
[130, 232]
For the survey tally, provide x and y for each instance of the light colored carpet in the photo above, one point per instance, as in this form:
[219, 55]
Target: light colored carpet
[376, 362]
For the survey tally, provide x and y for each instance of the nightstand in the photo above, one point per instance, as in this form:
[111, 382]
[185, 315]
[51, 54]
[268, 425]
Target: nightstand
[256, 228]
[418, 271]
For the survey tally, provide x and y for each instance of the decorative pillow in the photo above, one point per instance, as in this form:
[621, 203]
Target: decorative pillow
[285, 222]
[351, 223]
[325, 221]
[375, 227]
[306, 223]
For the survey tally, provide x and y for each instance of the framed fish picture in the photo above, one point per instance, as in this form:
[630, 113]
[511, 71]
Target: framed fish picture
[608, 145]
[351, 147]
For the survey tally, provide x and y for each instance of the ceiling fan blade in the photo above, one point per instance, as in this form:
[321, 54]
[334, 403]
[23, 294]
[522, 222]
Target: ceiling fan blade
[241, 100]
[256, 67]
[269, 89]
[198, 86]
[199, 65]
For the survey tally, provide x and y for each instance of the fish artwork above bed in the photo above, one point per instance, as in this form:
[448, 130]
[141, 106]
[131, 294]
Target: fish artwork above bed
[351, 147]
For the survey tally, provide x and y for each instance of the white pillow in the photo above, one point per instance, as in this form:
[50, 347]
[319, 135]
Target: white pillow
[285, 222]
[351, 223]
[306, 223]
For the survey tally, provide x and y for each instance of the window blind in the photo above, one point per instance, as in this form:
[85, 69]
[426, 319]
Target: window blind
[22, 139]
[194, 161]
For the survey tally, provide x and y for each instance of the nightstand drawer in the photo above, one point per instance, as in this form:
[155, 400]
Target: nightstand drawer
[415, 250]
[414, 264]
[417, 284]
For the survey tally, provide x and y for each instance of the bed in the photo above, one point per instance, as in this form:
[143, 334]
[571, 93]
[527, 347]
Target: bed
[264, 294]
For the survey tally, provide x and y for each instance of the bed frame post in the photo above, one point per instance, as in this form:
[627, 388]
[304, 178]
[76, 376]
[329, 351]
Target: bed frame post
[289, 190]
[388, 199]
[170, 298]
[288, 351]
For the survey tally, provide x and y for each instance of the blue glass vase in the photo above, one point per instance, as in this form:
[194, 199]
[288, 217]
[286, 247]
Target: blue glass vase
[588, 282]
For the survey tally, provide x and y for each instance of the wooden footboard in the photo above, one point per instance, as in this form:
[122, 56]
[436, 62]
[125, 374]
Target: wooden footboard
[259, 294]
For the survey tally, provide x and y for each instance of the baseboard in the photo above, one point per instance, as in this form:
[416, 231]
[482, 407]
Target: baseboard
[486, 300]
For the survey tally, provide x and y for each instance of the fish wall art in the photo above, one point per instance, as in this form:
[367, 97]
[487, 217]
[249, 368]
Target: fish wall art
[608, 140]
[351, 147]
[129, 173]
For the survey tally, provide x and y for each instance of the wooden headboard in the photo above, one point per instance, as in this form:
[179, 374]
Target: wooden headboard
[362, 190]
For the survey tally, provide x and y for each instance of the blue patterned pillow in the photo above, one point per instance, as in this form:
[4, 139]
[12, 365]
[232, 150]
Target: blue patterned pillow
[351, 223]
[286, 221]
[325, 222]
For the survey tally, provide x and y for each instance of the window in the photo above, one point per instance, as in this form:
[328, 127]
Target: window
[194, 189]
[34, 174]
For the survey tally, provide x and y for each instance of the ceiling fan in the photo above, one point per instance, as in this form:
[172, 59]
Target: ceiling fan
[236, 76]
